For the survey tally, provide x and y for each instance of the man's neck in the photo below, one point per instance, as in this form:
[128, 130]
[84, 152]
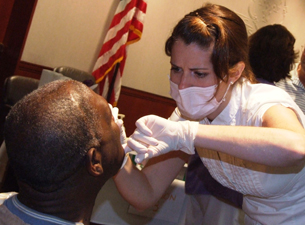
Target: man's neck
[66, 205]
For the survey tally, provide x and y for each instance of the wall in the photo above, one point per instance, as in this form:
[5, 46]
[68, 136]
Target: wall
[71, 32]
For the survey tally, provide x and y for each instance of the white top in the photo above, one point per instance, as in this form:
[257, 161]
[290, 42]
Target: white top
[294, 88]
[271, 195]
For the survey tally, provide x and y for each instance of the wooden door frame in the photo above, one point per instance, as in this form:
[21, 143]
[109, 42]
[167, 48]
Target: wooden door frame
[15, 20]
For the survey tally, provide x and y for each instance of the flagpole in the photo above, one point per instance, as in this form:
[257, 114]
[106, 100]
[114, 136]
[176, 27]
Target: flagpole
[111, 85]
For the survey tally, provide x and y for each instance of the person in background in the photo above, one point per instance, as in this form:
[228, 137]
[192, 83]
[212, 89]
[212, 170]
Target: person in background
[250, 136]
[273, 61]
[294, 86]
[63, 145]
[271, 53]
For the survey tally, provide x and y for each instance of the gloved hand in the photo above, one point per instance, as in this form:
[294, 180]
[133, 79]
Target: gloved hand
[120, 123]
[156, 136]
[123, 138]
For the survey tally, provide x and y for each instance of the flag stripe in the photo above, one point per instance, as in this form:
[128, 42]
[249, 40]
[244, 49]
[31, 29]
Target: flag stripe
[125, 28]
[109, 46]
[118, 16]
[114, 48]
[121, 25]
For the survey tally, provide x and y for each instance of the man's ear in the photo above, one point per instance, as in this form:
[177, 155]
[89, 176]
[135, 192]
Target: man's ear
[94, 162]
[236, 72]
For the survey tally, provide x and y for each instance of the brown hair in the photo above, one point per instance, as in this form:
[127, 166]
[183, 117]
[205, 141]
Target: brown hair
[218, 25]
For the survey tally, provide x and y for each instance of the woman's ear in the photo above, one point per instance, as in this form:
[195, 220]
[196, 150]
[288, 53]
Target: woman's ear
[94, 162]
[236, 72]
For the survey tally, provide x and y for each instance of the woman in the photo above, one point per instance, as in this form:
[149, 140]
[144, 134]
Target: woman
[249, 137]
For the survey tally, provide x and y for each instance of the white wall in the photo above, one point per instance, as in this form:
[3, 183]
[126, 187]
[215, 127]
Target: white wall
[71, 33]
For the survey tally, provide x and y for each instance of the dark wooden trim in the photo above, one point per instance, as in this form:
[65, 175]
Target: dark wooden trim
[30, 70]
[146, 95]
[5, 13]
[135, 104]
[16, 23]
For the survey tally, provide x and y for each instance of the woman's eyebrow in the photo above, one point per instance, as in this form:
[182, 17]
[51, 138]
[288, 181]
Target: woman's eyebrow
[199, 68]
[195, 68]
[173, 64]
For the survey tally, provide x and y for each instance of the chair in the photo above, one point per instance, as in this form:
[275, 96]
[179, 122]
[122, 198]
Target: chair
[76, 74]
[14, 89]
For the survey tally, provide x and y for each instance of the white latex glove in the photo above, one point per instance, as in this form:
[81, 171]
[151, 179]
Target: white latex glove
[156, 136]
[123, 137]
[120, 123]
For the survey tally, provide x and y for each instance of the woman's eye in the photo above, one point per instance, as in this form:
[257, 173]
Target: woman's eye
[201, 75]
[175, 69]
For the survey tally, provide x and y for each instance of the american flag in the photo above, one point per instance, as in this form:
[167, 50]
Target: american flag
[125, 28]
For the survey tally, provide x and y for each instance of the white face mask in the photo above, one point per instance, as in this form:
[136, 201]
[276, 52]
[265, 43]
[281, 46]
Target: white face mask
[196, 102]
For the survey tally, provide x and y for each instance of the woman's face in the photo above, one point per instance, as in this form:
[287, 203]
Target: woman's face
[191, 66]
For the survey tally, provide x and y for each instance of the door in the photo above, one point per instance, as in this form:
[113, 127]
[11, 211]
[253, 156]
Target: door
[15, 19]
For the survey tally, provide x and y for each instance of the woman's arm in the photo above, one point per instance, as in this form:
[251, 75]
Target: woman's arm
[142, 189]
[280, 142]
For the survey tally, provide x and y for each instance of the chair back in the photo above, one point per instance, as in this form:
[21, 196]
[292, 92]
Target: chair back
[76, 74]
[16, 87]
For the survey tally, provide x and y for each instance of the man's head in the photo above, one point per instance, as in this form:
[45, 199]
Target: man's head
[271, 52]
[58, 130]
